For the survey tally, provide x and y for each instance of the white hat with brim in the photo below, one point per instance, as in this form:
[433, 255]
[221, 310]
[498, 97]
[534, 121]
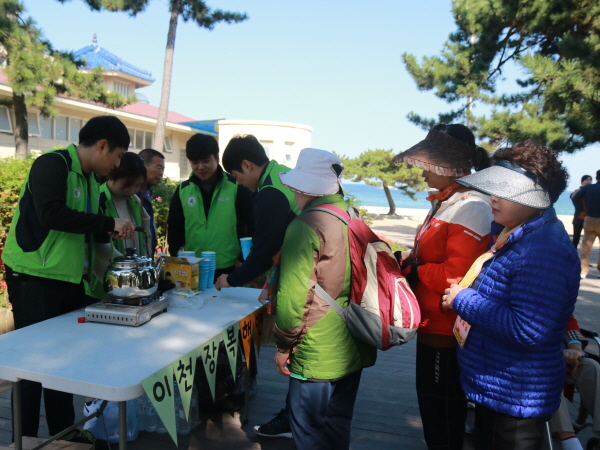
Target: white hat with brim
[510, 182]
[316, 173]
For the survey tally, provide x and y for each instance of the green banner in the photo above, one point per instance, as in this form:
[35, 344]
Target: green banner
[159, 388]
[184, 369]
[230, 339]
[209, 353]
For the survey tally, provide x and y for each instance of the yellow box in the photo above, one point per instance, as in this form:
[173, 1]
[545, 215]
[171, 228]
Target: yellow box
[183, 272]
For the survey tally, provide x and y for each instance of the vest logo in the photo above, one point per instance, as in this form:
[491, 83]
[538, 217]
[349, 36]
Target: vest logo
[223, 199]
[191, 200]
[77, 193]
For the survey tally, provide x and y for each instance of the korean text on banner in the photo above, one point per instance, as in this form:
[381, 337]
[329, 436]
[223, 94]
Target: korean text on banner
[209, 353]
[159, 388]
[246, 329]
[184, 369]
[230, 339]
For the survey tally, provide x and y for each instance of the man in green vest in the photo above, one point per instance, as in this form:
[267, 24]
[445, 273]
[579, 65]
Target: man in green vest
[50, 245]
[209, 211]
[274, 206]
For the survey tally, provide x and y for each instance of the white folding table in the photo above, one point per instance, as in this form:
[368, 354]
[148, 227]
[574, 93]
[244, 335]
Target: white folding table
[110, 361]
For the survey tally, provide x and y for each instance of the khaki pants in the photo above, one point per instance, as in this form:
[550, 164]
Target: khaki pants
[591, 231]
[587, 383]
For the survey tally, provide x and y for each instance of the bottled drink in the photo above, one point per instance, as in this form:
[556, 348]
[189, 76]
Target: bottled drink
[194, 416]
[141, 412]
[160, 426]
[151, 417]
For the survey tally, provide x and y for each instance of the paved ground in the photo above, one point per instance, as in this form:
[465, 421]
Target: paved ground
[386, 414]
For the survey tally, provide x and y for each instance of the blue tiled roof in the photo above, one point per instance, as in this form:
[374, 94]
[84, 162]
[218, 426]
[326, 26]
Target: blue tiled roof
[95, 56]
[206, 126]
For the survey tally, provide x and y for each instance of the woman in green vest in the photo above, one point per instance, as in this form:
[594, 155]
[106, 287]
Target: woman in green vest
[118, 199]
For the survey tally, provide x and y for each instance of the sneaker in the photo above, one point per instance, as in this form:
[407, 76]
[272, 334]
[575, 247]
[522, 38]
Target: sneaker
[82, 437]
[90, 409]
[278, 426]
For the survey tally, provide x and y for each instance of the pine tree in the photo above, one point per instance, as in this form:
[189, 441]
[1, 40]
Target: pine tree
[375, 167]
[37, 73]
[555, 44]
[195, 10]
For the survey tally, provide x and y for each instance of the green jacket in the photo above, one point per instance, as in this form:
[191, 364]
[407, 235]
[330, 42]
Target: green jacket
[218, 232]
[316, 250]
[270, 178]
[34, 249]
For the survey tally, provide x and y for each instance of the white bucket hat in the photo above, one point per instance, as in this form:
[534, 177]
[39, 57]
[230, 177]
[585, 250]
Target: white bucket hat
[510, 182]
[317, 173]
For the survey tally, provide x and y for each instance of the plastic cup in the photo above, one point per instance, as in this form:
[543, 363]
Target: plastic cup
[186, 254]
[246, 244]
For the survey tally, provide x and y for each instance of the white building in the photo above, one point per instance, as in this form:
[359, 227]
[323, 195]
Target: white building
[282, 141]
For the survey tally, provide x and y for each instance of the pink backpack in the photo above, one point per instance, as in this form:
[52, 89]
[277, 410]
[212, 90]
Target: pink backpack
[383, 311]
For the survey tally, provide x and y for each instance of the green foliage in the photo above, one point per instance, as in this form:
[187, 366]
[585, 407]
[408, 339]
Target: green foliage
[14, 172]
[362, 211]
[375, 167]
[195, 10]
[37, 73]
[161, 200]
[555, 44]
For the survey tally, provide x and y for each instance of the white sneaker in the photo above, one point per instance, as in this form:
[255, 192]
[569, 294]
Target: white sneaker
[90, 409]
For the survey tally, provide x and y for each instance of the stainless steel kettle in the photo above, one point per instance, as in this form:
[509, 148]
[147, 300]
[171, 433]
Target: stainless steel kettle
[131, 276]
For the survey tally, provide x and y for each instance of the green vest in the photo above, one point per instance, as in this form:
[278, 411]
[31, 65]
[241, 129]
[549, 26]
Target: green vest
[218, 233]
[60, 255]
[271, 179]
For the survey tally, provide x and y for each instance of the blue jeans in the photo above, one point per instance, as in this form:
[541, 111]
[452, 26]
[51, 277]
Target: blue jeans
[321, 412]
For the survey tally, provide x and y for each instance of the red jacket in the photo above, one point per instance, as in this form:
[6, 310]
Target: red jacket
[446, 245]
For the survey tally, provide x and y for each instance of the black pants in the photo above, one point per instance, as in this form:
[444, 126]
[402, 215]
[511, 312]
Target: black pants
[442, 402]
[496, 431]
[577, 228]
[35, 299]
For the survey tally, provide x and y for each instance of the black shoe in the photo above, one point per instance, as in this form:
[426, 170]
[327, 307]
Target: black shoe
[278, 426]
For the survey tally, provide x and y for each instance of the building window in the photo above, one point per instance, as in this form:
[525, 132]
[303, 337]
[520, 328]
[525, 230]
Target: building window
[268, 146]
[46, 127]
[5, 124]
[184, 170]
[122, 88]
[288, 157]
[140, 139]
[167, 145]
[74, 128]
[33, 124]
[62, 124]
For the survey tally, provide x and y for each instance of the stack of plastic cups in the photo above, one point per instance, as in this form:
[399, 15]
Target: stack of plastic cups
[204, 274]
[212, 258]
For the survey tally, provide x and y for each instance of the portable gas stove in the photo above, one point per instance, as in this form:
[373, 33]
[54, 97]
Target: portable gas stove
[132, 312]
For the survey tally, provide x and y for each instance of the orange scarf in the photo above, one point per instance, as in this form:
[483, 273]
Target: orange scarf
[443, 195]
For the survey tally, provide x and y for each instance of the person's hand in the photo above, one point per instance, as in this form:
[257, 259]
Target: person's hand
[449, 295]
[222, 282]
[124, 228]
[282, 357]
[572, 355]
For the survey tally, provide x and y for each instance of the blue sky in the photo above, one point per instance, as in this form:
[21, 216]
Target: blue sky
[333, 65]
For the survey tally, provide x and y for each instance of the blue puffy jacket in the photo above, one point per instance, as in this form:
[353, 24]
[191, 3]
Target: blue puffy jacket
[518, 308]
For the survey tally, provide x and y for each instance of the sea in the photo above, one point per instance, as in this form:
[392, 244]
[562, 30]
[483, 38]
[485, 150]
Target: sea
[375, 196]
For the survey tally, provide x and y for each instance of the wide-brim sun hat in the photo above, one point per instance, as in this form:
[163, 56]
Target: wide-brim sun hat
[441, 154]
[510, 182]
[316, 173]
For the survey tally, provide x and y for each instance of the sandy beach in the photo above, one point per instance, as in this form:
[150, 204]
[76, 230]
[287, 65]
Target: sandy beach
[401, 228]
